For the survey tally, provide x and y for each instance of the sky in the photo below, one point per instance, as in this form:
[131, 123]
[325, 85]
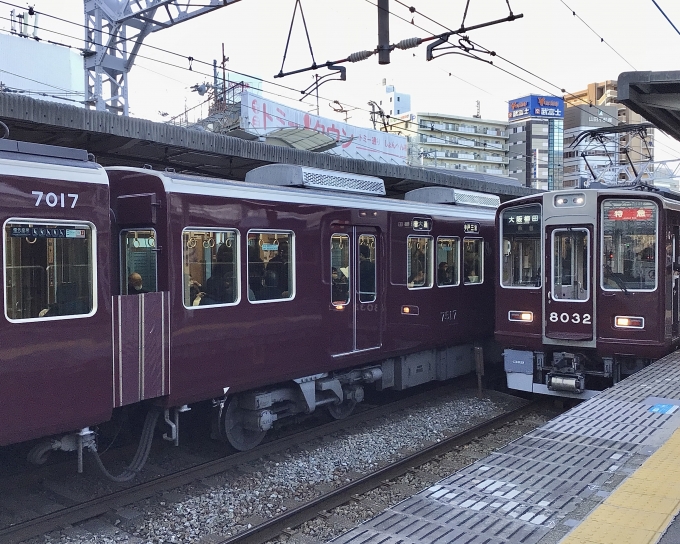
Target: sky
[545, 51]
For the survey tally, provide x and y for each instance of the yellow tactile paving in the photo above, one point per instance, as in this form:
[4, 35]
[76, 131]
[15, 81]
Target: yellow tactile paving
[641, 508]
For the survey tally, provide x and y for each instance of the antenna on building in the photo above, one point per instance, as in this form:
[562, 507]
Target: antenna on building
[479, 110]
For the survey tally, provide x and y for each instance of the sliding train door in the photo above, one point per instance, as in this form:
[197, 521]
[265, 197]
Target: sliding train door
[354, 289]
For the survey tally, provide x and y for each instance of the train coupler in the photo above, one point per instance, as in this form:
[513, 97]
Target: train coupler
[567, 373]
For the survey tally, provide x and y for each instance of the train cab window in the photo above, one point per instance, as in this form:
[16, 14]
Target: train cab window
[521, 247]
[138, 262]
[447, 259]
[571, 262]
[419, 259]
[629, 245]
[473, 260]
[340, 269]
[49, 270]
[367, 271]
[210, 266]
[270, 266]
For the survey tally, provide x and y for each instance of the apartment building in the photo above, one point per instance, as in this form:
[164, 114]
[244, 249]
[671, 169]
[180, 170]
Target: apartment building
[584, 159]
[453, 142]
[394, 103]
[604, 94]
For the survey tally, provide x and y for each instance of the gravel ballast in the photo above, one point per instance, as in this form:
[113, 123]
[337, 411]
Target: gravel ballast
[224, 505]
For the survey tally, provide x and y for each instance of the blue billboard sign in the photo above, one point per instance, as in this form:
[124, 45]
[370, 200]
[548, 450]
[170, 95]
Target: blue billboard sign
[536, 106]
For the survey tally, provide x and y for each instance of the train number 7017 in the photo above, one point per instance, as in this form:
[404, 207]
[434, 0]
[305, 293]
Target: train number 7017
[53, 199]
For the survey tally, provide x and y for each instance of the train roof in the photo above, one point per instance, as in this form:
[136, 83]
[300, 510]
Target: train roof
[190, 184]
[49, 162]
[667, 198]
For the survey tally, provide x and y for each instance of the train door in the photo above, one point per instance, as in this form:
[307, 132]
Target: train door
[355, 308]
[141, 324]
[569, 296]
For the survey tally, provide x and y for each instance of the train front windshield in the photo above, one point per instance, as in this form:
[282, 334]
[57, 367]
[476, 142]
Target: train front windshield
[521, 246]
[629, 245]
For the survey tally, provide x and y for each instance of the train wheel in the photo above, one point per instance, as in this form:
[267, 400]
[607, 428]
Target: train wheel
[239, 437]
[342, 410]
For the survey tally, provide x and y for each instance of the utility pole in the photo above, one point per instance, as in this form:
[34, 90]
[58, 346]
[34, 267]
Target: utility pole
[224, 82]
[383, 31]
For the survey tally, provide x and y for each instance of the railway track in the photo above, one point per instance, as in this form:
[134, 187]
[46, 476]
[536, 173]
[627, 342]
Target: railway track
[273, 528]
[76, 513]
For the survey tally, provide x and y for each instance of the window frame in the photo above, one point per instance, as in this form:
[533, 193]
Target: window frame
[124, 277]
[541, 238]
[458, 246]
[481, 261]
[374, 239]
[658, 242]
[429, 256]
[237, 266]
[292, 264]
[350, 283]
[588, 263]
[94, 266]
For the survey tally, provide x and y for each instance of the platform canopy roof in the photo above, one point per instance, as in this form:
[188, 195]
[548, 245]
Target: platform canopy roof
[127, 141]
[655, 96]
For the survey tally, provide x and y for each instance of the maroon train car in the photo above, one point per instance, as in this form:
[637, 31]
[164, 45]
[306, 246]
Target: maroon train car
[588, 287]
[273, 297]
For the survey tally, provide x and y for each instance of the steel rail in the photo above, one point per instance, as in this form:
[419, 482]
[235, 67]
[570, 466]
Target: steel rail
[80, 512]
[274, 527]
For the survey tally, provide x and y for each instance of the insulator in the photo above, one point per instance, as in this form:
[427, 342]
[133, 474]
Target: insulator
[360, 55]
[408, 43]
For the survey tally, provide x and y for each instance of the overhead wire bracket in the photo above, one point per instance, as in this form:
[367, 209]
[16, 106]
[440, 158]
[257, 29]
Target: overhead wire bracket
[465, 47]
[290, 32]
[318, 81]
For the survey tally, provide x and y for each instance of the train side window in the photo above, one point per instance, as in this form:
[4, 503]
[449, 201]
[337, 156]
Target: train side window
[447, 257]
[49, 270]
[340, 269]
[210, 266]
[138, 262]
[419, 259]
[367, 270]
[270, 266]
[473, 260]
[521, 253]
[629, 245]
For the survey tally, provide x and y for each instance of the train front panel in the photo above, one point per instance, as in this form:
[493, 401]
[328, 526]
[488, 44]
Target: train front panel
[584, 294]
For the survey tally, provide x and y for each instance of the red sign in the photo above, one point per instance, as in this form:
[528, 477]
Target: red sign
[629, 214]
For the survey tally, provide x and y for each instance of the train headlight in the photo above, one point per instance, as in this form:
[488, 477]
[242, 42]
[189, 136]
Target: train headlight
[410, 310]
[629, 322]
[570, 200]
[524, 317]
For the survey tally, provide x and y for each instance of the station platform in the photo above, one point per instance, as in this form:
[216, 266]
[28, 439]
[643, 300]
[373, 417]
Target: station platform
[605, 472]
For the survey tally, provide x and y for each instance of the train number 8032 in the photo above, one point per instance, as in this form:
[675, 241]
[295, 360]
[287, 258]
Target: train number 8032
[564, 317]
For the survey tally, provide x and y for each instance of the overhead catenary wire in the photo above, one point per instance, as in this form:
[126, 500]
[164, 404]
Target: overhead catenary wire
[262, 79]
[666, 16]
[564, 91]
[198, 61]
[602, 40]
